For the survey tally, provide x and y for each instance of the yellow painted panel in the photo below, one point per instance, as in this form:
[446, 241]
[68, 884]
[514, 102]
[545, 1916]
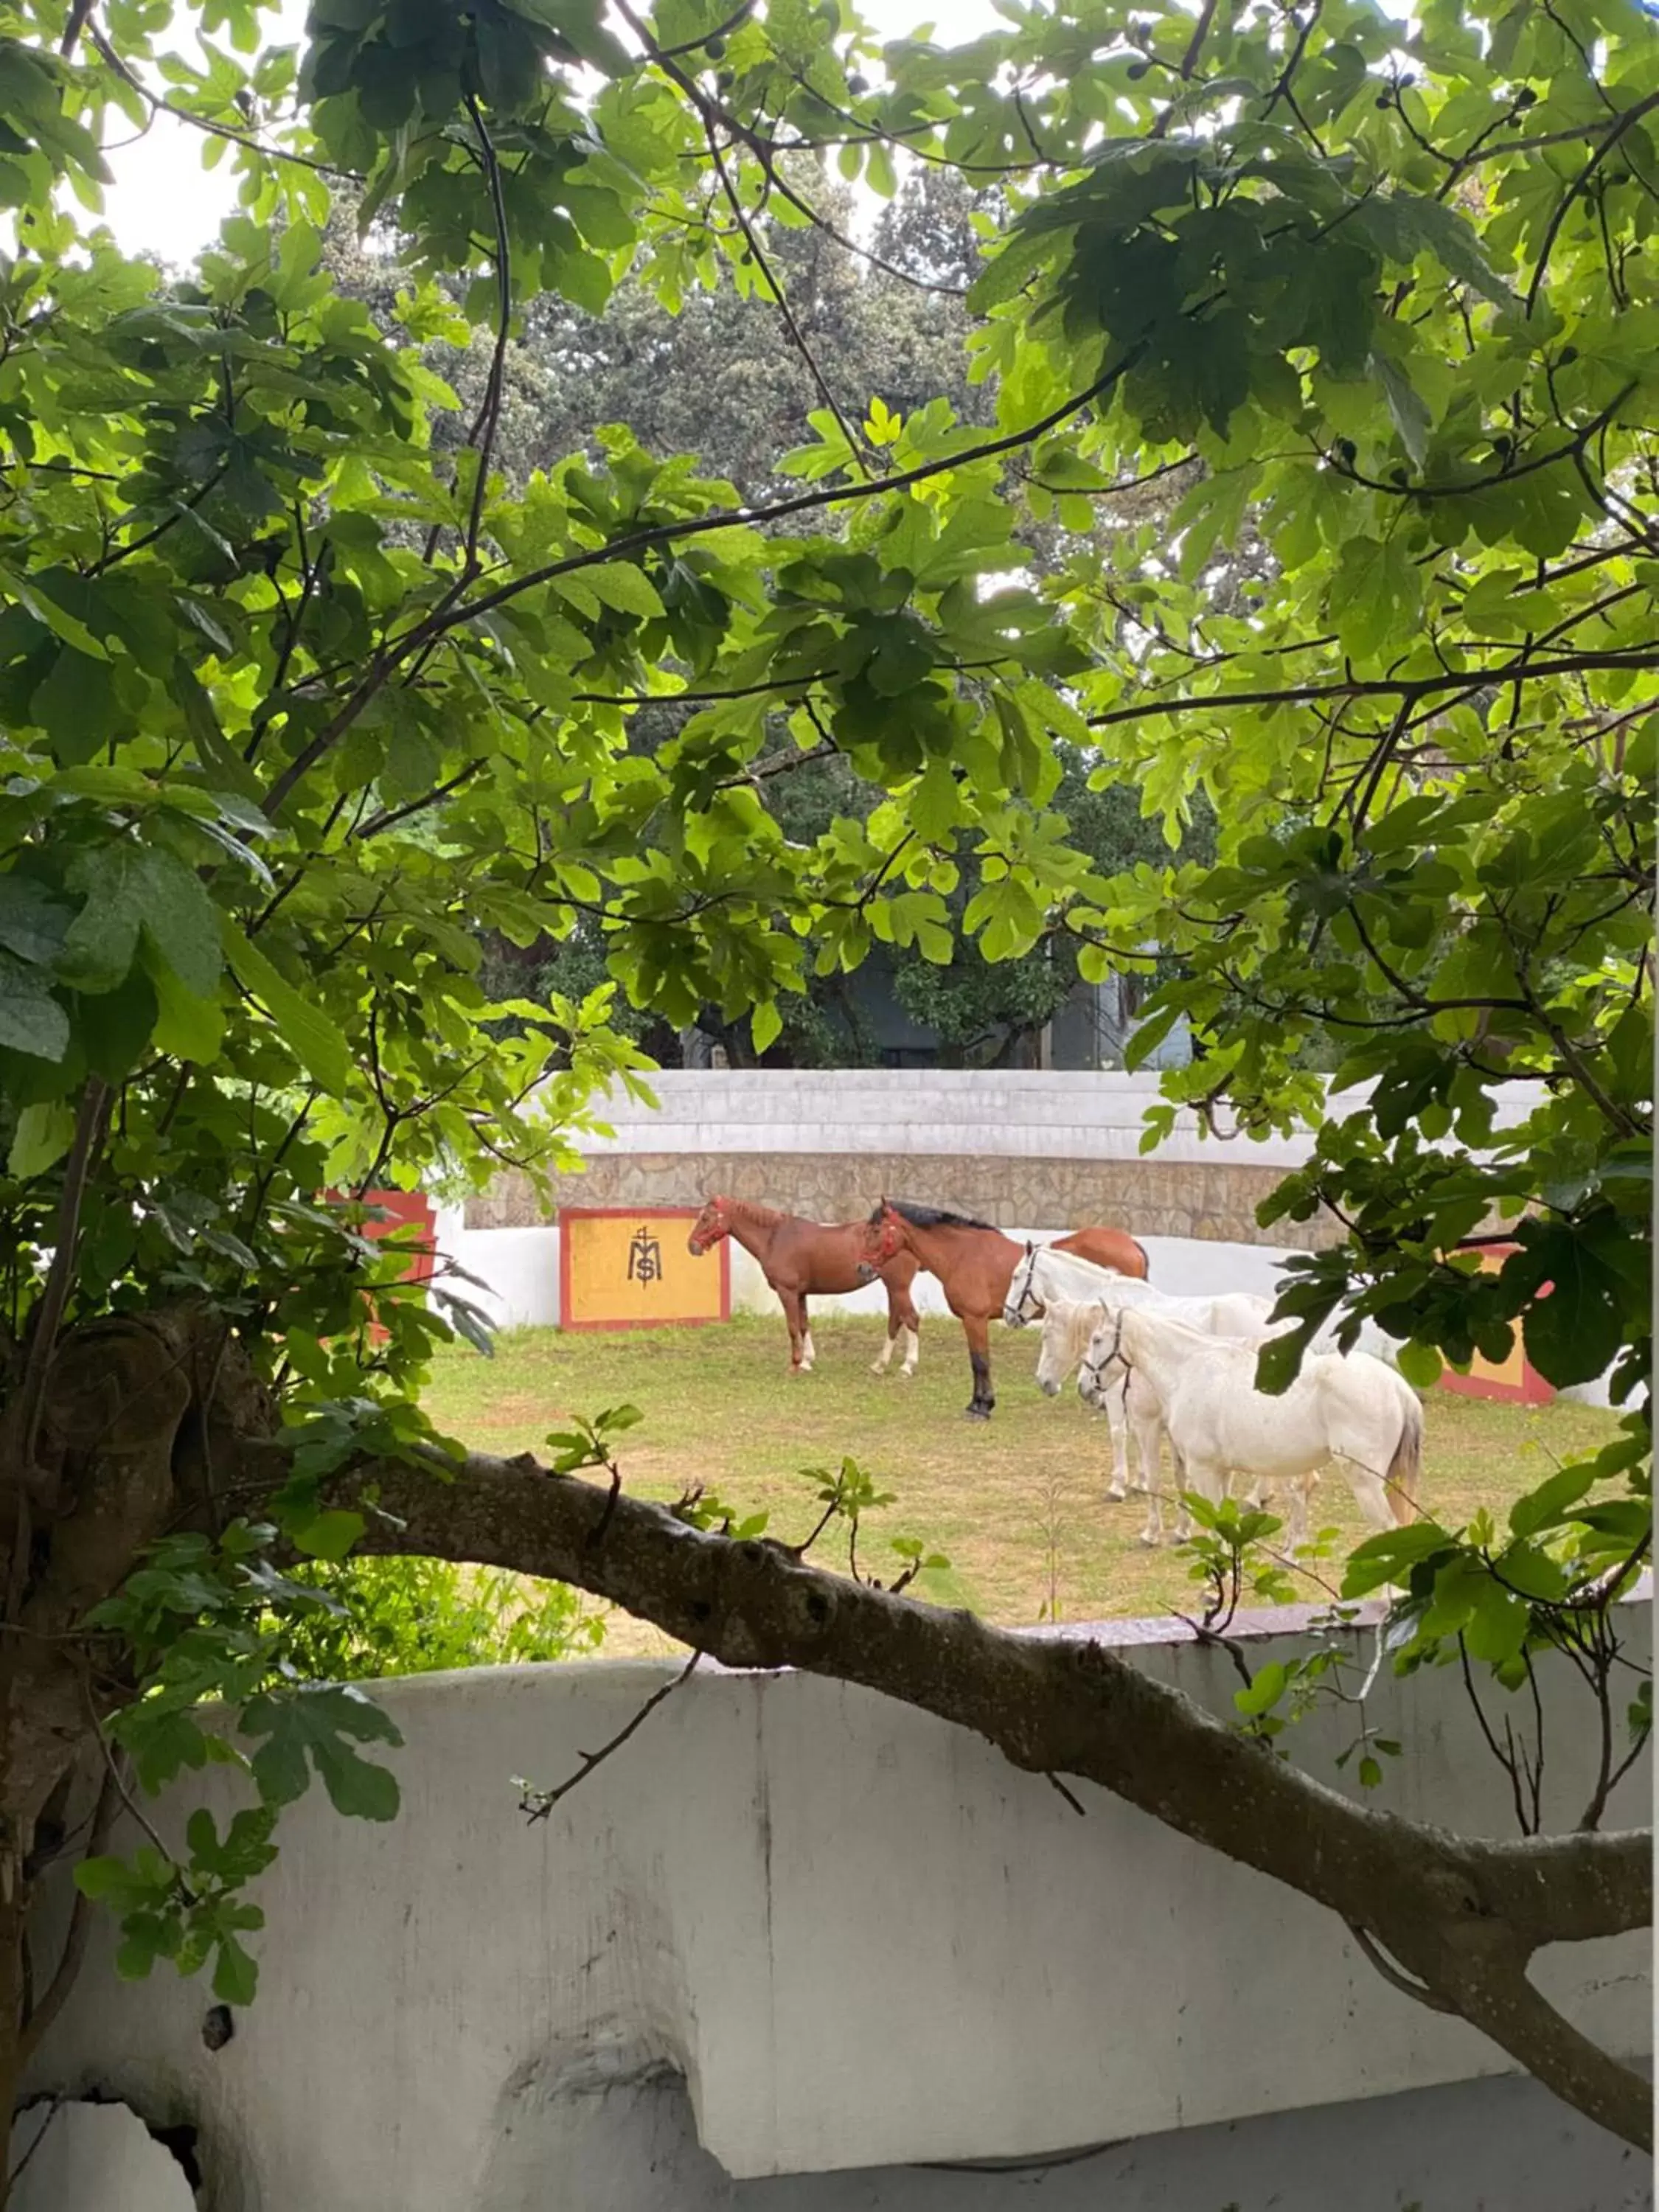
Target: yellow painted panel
[629, 1270]
[1512, 1371]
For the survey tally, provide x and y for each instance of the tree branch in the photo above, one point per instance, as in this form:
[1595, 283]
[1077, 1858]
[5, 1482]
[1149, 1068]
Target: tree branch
[780, 297]
[1460, 1916]
[537, 1804]
[481, 438]
[1411, 686]
[1623, 122]
[456, 610]
[161, 107]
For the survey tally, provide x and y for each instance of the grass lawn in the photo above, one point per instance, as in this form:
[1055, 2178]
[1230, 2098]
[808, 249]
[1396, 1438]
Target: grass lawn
[1018, 1505]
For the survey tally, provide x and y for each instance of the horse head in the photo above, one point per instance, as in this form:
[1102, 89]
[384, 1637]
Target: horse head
[710, 1225]
[1021, 1303]
[1103, 1365]
[881, 1235]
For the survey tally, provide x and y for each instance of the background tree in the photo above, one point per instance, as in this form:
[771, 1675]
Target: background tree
[296, 702]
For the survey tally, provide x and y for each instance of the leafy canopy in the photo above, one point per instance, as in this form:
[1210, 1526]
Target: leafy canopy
[297, 699]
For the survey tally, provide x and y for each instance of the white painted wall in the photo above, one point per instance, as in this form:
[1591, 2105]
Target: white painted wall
[93, 2158]
[860, 1939]
[1064, 1113]
[520, 1268]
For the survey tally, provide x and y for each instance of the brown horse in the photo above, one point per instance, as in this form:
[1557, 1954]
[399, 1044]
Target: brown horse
[811, 1259]
[975, 1264]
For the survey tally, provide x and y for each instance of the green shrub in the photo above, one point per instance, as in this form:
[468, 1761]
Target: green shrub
[410, 1616]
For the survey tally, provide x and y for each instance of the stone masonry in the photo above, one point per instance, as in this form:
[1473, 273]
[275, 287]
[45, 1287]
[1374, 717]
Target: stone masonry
[1149, 1198]
[1029, 1149]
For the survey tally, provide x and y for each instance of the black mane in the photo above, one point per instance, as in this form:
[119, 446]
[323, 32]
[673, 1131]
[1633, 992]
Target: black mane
[930, 1217]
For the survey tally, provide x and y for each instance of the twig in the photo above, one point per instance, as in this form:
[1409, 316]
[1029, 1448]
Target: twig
[537, 1804]
[487, 423]
[203, 123]
[1630, 116]
[1415, 687]
[54, 2105]
[1201, 32]
[1504, 1762]
[385, 820]
[780, 298]
[1071, 1799]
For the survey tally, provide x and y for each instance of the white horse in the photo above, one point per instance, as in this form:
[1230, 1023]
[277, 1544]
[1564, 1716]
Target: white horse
[1131, 1410]
[1045, 1273]
[1046, 1280]
[1355, 1410]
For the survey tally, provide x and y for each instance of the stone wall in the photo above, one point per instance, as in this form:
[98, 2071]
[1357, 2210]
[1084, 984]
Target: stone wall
[1149, 1198]
[1048, 1149]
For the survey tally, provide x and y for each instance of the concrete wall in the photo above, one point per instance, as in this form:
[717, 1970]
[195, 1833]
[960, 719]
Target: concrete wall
[1054, 1147]
[862, 1943]
[612, 2135]
[520, 1268]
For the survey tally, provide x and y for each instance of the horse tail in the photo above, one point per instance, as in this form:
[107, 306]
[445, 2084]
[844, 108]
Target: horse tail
[1407, 1461]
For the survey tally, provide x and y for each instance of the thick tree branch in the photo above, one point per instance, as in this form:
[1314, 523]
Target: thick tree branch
[1462, 1917]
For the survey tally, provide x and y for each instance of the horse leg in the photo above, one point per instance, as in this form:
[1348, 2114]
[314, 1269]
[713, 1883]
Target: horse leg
[1300, 1487]
[1370, 1493]
[910, 1323]
[901, 1322]
[879, 1364]
[808, 1354]
[1152, 1535]
[794, 1313]
[1148, 1430]
[976, 1328]
[1210, 1483]
[1117, 1416]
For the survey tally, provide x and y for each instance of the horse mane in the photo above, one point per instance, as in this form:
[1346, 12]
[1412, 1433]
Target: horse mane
[765, 1216]
[1078, 1320]
[930, 1217]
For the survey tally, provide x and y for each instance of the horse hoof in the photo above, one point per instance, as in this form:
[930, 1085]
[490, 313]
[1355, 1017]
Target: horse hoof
[909, 1373]
[1115, 1497]
[978, 1412]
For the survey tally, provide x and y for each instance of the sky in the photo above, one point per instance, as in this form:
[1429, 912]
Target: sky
[164, 202]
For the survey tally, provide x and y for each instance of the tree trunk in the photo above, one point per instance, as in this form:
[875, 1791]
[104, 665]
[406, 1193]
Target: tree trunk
[141, 1417]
